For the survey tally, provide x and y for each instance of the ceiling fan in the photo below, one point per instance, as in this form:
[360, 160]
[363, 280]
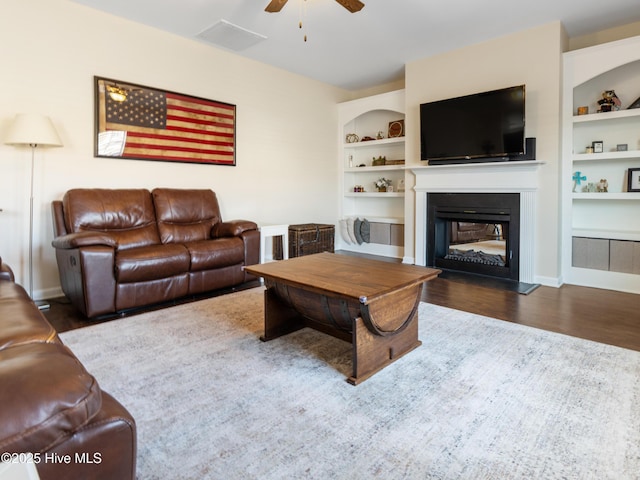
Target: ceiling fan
[352, 5]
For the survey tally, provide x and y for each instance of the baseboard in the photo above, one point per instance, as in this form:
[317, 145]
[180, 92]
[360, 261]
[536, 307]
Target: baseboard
[555, 282]
[48, 293]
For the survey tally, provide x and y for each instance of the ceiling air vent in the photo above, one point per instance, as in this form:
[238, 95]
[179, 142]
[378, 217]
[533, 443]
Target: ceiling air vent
[227, 35]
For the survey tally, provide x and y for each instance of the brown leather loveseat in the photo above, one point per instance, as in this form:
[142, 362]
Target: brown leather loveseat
[50, 406]
[466, 232]
[119, 249]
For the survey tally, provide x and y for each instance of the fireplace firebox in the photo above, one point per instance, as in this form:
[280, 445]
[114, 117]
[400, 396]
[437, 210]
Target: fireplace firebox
[474, 232]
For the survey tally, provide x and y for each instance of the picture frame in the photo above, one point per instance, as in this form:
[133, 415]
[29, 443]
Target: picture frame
[144, 123]
[635, 104]
[598, 146]
[633, 180]
[396, 129]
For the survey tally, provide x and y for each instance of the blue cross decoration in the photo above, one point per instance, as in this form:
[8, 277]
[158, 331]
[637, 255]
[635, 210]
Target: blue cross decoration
[577, 178]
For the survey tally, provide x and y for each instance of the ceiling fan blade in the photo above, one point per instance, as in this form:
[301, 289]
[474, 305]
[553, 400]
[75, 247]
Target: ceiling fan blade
[352, 5]
[275, 6]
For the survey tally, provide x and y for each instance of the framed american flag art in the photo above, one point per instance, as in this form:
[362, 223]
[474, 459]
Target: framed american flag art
[144, 123]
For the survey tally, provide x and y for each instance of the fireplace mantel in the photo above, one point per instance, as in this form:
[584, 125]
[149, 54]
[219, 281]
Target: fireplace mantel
[494, 177]
[485, 176]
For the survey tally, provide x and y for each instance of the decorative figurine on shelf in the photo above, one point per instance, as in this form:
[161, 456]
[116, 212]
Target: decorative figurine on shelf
[602, 186]
[382, 184]
[378, 162]
[577, 179]
[352, 138]
[609, 101]
[380, 135]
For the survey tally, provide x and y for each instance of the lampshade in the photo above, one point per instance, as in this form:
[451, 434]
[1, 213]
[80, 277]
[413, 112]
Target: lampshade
[32, 129]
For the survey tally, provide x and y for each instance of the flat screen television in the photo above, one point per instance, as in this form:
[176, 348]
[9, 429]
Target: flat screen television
[483, 127]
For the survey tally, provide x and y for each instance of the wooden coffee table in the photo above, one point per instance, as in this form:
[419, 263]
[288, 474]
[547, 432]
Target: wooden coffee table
[371, 303]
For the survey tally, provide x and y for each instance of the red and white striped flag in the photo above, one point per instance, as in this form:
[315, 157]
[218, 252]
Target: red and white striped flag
[165, 126]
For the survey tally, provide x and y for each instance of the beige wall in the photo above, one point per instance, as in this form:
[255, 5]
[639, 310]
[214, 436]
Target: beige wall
[532, 57]
[286, 147]
[605, 36]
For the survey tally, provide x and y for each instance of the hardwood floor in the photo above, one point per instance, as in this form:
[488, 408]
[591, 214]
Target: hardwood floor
[599, 315]
[64, 316]
[594, 314]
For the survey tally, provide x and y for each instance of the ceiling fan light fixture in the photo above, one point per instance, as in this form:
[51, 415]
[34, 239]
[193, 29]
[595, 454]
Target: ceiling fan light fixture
[276, 5]
[352, 5]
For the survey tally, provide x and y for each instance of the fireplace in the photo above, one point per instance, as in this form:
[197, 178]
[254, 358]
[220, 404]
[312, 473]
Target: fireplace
[474, 232]
[494, 179]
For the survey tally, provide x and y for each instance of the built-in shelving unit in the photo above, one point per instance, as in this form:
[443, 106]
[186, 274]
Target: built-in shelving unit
[371, 117]
[601, 230]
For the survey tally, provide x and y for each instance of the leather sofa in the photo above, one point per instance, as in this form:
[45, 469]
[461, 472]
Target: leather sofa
[120, 249]
[467, 232]
[51, 407]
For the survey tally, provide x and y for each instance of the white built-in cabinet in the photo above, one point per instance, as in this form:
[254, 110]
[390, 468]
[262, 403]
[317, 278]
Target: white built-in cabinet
[359, 198]
[601, 230]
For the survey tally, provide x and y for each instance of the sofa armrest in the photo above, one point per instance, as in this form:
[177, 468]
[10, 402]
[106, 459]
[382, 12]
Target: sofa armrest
[248, 232]
[233, 228]
[87, 277]
[46, 394]
[108, 443]
[84, 239]
[57, 215]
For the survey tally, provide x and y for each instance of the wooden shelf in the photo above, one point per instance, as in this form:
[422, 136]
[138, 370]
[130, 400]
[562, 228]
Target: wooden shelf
[598, 157]
[375, 143]
[603, 197]
[382, 168]
[374, 219]
[606, 116]
[607, 234]
[375, 194]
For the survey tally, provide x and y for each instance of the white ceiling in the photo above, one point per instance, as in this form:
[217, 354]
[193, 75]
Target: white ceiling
[371, 47]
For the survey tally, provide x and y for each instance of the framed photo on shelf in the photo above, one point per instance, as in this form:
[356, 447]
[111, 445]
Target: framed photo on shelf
[635, 104]
[633, 184]
[598, 146]
[396, 129]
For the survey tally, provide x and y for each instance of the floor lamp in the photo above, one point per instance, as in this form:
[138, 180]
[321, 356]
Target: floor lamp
[35, 131]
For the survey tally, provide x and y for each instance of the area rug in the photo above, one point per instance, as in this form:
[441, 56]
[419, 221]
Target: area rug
[480, 399]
